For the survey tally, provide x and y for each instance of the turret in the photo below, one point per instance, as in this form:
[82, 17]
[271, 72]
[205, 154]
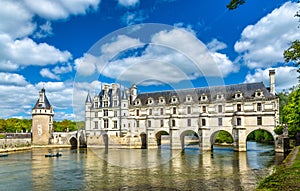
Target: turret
[42, 120]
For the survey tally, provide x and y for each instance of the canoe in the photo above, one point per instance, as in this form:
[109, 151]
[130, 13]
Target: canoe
[3, 155]
[53, 155]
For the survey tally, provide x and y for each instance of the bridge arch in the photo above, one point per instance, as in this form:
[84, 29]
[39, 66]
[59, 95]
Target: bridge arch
[73, 141]
[159, 134]
[270, 132]
[214, 135]
[143, 136]
[193, 134]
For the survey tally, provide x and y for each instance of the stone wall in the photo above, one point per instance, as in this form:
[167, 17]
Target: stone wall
[14, 143]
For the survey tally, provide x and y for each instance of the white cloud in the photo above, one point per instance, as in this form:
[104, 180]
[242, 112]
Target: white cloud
[130, 18]
[45, 72]
[63, 69]
[285, 77]
[128, 3]
[171, 57]
[60, 9]
[44, 30]
[216, 45]
[26, 52]
[15, 19]
[263, 43]
[12, 79]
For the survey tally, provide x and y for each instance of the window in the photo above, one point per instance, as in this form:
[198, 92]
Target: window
[259, 120]
[189, 110]
[173, 123]
[96, 114]
[96, 124]
[105, 103]
[161, 111]
[203, 109]
[115, 103]
[239, 107]
[203, 122]
[220, 121]
[189, 122]
[174, 110]
[238, 121]
[137, 123]
[161, 123]
[105, 123]
[258, 106]
[115, 113]
[96, 104]
[220, 109]
[115, 124]
[137, 112]
[105, 111]
[150, 111]
[149, 123]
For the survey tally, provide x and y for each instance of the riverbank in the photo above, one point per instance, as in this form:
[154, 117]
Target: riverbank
[15, 149]
[285, 176]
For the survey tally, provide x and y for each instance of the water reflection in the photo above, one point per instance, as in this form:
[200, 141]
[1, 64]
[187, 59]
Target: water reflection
[93, 169]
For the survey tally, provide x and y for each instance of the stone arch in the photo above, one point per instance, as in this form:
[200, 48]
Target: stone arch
[214, 135]
[73, 141]
[271, 132]
[143, 136]
[186, 132]
[158, 135]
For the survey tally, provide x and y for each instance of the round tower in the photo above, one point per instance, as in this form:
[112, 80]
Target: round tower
[42, 120]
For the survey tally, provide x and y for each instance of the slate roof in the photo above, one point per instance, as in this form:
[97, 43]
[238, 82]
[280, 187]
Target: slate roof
[247, 90]
[45, 105]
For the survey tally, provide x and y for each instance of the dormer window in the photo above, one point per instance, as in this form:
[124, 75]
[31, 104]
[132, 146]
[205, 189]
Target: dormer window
[188, 98]
[174, 99]
[259, 93]
[220, 96]
[203, 97]
[137, 102]
[161, 100]
[238, 95]
[150, 101]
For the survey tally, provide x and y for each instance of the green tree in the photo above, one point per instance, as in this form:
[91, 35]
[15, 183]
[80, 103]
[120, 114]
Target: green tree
[2, 125]
[292, 54]
[233, 4]
[63, 126]
[291, 113]
[223, 137]
[283, 101]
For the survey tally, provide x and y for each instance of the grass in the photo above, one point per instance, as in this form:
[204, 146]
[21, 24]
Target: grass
[286, 176]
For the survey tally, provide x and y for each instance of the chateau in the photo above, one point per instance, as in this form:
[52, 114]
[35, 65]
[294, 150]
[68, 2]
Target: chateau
[120, 117]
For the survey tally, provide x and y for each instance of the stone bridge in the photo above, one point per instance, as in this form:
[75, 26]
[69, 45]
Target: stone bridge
[205, 136]
[73, 138]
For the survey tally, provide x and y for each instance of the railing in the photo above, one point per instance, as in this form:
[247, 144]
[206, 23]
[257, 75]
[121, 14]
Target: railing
[15, 135]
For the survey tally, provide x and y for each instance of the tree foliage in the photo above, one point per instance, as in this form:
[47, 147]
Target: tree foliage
[291, 113]
[260, 136]
[64, 126]
[223, 137]
[292, 54]
[233, 4]
[14, 125]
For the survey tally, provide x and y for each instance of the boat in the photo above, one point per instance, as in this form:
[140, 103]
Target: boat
[53, 155]
[3, 155]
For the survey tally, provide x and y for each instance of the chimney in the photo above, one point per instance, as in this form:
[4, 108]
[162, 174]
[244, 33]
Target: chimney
[272, 81]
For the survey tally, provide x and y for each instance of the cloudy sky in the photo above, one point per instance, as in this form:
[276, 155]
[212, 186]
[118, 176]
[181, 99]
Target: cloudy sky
[68, 47]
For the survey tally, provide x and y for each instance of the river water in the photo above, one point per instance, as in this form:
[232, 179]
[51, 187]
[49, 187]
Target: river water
[136, 169]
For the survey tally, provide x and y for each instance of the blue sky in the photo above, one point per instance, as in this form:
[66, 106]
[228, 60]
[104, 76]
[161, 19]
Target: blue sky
[157, 44]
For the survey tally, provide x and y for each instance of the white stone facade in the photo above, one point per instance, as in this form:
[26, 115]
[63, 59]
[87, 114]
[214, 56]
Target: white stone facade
[237, 109]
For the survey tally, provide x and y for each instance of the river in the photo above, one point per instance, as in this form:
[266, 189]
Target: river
[136, 169]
